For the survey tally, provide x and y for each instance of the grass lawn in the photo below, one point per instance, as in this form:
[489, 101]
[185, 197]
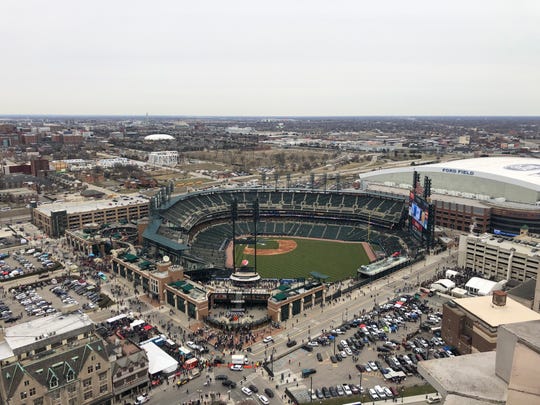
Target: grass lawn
[337, 260]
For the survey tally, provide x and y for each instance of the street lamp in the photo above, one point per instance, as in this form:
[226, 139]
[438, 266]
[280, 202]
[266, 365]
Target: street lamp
[311, 388]
[360, 387]
[334, 345]
[272, 359]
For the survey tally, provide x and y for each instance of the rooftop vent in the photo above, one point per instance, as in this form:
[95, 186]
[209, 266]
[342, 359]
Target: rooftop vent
[499, 298]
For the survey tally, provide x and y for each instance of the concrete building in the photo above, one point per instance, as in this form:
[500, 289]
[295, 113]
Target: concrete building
[164, 158]
[471, 324]
[508, 376]
[500, 258]
[55, 218]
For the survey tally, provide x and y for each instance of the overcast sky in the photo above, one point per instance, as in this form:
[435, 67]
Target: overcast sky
[253, 57]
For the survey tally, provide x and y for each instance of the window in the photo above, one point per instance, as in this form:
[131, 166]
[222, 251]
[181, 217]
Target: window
[98, 366]
[38, 401]
[72, 401]
[32, 391]
[103, 388]
[24, 395]
[90, 369]
[55, 395]
[54, 382]
[72, 388]
[102, 376]
[27, 383]
[70, 376]
[87, 382]
[88, 395]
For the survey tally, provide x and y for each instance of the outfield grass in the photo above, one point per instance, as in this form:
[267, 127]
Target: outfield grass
[338, 260]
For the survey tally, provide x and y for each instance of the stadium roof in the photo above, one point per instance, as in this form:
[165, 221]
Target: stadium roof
[158, 137]
[516, 170]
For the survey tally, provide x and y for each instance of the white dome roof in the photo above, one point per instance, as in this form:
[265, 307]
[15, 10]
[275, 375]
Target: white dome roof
[159, 137]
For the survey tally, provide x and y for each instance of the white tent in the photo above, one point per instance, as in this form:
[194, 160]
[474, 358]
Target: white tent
[451, 273]
[158, 360]
[481, 286]
[443, 285]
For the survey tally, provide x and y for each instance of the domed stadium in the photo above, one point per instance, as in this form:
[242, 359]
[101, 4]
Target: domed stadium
[159, 137]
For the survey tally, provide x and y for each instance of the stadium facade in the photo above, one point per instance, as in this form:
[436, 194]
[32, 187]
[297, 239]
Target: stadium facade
[492, 194]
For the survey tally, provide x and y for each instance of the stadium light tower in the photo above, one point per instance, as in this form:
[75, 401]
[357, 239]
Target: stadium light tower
[256, 214]
[234, 217]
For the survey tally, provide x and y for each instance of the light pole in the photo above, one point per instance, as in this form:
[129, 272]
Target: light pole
[334, 345]
[311, 388]
[272, 359]
[360, 387]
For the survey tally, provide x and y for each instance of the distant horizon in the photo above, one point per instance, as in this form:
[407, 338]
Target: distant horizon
[150, 116]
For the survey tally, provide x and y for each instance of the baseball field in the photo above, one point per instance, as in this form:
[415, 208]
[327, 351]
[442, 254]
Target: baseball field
[297, 257]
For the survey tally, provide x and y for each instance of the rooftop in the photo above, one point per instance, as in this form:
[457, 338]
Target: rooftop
[508, 169]
[475, 381]
[496, 240]
[27, 333]
[89, 206]
[493, 315]
[527, 333]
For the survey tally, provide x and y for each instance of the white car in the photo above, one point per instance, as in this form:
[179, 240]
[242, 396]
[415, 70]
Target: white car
[246, 391]
[313, 344]
[348, 351]
[373, 366]
[191, 345]
[263, 399]
[141, 399]
[237, 367]
[347, 389]
[343, 354]
[268, 339]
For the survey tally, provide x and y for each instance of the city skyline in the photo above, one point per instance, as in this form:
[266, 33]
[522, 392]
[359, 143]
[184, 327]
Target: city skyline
[281, 59]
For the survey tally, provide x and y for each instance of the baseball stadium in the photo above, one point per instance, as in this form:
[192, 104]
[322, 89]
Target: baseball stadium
[298, 231]
[228, 251]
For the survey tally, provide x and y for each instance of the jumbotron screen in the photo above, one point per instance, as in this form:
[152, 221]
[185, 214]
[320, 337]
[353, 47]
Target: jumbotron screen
[419, 216]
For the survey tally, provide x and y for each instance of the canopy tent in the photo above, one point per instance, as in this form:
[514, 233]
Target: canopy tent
[158, 360]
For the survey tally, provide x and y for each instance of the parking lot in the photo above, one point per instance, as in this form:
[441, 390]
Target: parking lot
[378, 351]
[46, 297]
[25, 260]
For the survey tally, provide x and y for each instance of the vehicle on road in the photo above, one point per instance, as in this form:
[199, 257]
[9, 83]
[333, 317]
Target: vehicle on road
[246, 391]
[291, 343]
[237, 367]
[263, 399]
[269, 392]
[268, 339]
